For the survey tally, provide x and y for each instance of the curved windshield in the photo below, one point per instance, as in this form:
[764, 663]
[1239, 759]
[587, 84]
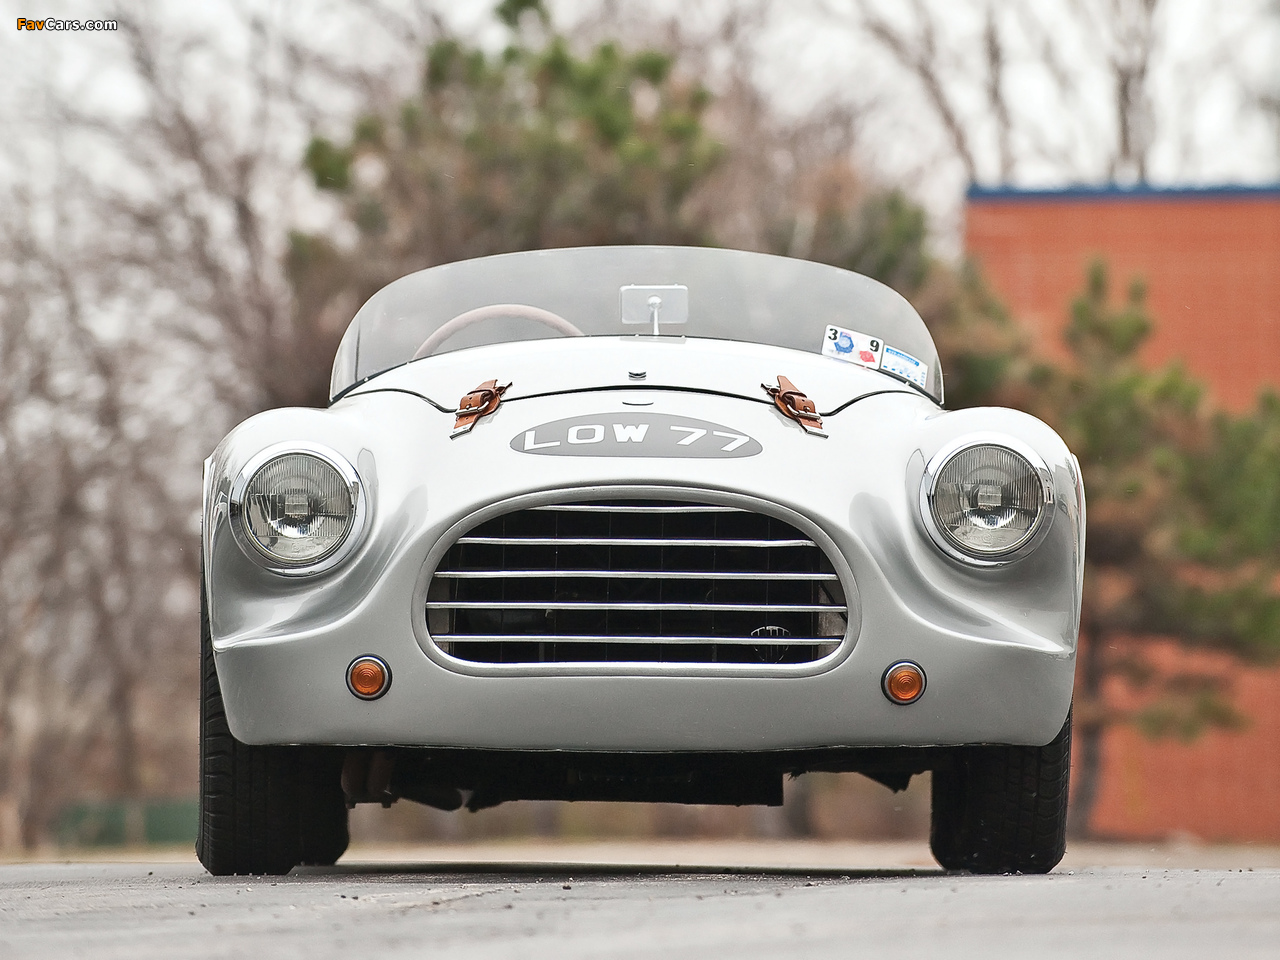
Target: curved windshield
[727, 295]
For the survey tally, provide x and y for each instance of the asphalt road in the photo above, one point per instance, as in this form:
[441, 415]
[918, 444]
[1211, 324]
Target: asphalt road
[484, 910]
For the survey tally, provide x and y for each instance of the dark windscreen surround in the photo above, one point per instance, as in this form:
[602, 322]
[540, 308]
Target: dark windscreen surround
[733, 295]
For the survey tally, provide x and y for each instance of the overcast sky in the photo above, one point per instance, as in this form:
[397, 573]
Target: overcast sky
[1212, 57]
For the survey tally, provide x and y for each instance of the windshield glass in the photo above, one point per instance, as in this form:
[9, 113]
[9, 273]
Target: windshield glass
[732, 295]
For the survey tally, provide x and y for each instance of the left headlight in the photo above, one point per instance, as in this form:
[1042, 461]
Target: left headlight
[295, 510]
[986, 502]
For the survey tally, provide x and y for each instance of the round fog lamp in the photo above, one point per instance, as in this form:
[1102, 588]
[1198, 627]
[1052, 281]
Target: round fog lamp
[904, 682]
[368, 677]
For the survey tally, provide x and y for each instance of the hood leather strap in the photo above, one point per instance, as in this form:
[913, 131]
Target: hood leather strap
[480, 402]
[794, 404]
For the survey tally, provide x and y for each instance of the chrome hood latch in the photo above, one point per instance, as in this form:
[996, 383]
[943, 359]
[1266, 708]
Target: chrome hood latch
[795, 405]
[480, 402]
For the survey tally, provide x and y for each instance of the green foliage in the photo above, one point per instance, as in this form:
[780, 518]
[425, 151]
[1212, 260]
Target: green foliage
[510, 11]
[890, 241]
[1190, 704]
[1236, 481]
[883, 236]
[1244, 616]
[539, 145]
[982, 353]
[1117, 416]
[329, 165]
[562, 149]
[1106, 337]
[370, 131]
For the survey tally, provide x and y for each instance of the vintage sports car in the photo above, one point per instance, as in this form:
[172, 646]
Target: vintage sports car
[636, 523]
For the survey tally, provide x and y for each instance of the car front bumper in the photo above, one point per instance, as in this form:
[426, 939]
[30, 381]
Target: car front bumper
[997, 646]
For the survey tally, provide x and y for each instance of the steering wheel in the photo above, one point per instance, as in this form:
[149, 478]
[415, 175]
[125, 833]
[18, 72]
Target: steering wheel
[520, 311]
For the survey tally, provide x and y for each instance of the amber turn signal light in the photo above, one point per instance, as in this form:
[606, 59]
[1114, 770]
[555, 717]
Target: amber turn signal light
[368, 677]
[903, 682]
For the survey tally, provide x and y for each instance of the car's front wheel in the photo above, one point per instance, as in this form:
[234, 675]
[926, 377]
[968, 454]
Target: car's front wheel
[1003, 809]
[263, 810]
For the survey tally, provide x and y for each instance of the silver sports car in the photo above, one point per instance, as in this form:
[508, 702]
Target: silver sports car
[636, 523]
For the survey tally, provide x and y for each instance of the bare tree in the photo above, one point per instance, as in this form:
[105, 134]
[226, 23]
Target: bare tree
[1127, 32]
[915, 47]
[143, 309]
[94, 539]
[1069, 89]
[779, 167]
[997, 100]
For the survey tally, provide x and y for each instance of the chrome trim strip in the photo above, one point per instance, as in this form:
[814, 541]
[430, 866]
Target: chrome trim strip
[597, 508]
[628, 575]
[627, 542]
[624, 605]
[616, 639]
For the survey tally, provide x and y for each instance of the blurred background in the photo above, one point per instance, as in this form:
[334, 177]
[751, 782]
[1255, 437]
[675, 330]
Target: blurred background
[1081, 197]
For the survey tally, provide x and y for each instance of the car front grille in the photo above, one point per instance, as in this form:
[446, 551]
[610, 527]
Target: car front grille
[636, 581]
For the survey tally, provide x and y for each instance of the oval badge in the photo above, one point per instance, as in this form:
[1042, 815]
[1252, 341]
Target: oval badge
[635, 435]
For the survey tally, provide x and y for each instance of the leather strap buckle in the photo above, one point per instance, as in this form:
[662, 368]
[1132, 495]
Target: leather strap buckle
[480, 402]
[795, 405]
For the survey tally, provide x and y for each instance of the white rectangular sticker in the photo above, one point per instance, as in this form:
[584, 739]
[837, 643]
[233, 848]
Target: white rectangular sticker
[852, 347]
[904, 365]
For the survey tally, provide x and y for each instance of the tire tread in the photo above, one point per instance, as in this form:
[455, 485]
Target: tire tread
[1003, 809]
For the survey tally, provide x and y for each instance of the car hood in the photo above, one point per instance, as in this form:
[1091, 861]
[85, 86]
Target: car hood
[547, 367]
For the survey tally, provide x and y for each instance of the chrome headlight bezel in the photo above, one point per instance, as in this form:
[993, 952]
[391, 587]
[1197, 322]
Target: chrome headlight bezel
[928, 488]
[248, 544]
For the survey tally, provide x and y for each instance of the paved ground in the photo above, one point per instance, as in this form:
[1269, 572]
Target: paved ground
[536, 908]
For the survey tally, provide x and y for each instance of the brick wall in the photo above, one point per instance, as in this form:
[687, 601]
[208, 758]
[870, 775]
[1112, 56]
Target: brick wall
[1211, 263]
[1223, 785]
[1210, 259]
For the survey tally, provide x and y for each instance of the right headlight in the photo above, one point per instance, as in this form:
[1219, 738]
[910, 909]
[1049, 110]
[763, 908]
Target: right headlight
[986, 502]
[297, 510]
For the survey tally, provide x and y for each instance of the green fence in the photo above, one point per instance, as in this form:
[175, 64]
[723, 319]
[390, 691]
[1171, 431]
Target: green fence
[114, 823]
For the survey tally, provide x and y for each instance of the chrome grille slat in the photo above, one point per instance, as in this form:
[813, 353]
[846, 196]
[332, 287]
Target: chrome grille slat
[587, 605]
[636, 581]
[612, 638]
[627, 575]
[600, 508]
[630, 542]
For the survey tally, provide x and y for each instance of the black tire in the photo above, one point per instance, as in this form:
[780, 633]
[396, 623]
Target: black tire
[323, 819]
[1003, 809]
[263, 810]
